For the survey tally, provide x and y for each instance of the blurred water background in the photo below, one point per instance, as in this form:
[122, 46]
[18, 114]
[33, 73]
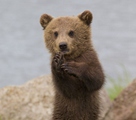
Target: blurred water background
[23, 55]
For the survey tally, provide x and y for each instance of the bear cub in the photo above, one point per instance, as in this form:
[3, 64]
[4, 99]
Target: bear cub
[76, 71]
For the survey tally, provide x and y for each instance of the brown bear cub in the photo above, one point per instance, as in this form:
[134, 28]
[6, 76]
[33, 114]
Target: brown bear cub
[76, 70]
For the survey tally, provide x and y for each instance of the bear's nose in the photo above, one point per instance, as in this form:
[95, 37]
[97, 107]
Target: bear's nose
[63, 46]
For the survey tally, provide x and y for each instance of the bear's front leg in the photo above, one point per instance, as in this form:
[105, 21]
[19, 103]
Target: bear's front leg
[74, 68]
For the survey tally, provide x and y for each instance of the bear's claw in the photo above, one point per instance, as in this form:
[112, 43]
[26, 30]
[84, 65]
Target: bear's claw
[68, 69]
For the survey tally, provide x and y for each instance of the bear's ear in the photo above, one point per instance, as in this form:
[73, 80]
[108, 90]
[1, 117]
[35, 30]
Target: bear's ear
[44, 20]
[86, 17]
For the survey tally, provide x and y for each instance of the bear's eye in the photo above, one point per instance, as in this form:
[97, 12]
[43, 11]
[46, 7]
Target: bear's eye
[71, 33]
[56, 34]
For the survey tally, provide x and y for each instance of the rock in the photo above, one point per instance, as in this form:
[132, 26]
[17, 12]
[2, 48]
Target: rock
[124, 106]
[34, 100]
[105, 103]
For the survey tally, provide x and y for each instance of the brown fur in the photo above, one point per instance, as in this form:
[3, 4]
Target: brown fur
[77, 73]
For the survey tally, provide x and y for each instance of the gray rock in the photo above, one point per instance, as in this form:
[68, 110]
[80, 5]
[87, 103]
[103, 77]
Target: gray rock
[31, 101]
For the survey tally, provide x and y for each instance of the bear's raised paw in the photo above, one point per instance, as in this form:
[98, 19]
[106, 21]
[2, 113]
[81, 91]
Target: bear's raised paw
[58, 60]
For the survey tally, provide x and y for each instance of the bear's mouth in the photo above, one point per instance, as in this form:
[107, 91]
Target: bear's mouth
[66, 51]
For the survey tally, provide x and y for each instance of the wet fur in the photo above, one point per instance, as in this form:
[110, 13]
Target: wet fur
[77, 84]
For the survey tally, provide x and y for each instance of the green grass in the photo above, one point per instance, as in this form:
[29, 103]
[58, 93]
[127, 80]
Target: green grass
[0, 118]
[117, 85]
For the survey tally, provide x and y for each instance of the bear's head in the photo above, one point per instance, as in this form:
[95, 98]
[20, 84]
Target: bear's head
[70, 35]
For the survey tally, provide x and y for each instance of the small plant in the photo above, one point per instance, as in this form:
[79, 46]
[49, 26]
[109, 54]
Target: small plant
[117, 85]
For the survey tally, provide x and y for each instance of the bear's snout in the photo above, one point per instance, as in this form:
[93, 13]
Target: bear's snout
[63, 46]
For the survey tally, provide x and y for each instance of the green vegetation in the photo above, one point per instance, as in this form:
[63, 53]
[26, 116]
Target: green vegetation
[0, 118]
[117, 85]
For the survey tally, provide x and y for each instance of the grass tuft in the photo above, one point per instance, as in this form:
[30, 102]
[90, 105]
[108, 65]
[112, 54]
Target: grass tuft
[117, 85]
